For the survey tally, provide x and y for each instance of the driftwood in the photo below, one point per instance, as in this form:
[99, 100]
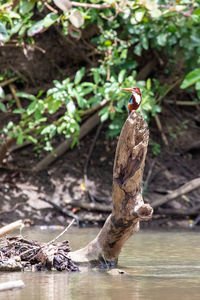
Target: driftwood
[11, 227]
[128, 206]
[184, 189]
[11, 285]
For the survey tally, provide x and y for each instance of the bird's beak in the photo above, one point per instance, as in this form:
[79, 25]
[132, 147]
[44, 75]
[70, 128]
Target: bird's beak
[128, 90]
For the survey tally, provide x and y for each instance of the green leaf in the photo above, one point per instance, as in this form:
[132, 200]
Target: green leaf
[32, 139]
[96, 77]
[79, 75]
[149, 84]
[2, 94]
[191, 78]
[4, 37]
[53, 106]
[26, 95]
[19, 111]
[2, 107]
[25, 6]
[197, 85]
[121, 76]
[31, 108]
[162, 39]
[138, 49]
[43, 24]
[71, 107]
[20, 139]
[139, 14]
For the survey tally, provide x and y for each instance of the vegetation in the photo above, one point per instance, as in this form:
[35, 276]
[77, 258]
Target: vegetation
[129, 35]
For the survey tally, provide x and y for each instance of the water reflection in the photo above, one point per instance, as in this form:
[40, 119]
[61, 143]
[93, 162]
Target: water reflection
[162, 265]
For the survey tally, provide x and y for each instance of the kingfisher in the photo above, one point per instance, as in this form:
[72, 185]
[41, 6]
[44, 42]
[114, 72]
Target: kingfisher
[135, 100]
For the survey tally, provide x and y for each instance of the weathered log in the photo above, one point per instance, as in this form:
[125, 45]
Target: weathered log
[128, 205]
[11, 285]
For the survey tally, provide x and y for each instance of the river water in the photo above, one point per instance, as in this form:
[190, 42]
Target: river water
[161, 265]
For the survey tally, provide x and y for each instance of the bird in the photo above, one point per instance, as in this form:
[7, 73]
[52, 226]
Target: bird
[135, 100]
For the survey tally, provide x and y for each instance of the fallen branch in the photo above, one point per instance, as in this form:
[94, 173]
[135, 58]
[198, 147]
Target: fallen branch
[177, 212]
[64, 211]
[185, 103]
[63, 147]
[11, 227]
[11, 285]
[184, 189]
[92, 206]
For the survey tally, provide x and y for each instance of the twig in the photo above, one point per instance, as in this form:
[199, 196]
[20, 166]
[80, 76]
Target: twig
[94, 109]
[90, 5]
[11, 227]
[65, 230]
[50, 7]
[184, 189]
[65, 212]
[18, 102]
[6, 82]
[10, 285]
[159, 125]
[179, 102]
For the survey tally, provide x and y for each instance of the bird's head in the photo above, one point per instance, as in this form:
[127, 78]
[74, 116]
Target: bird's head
[133, 90]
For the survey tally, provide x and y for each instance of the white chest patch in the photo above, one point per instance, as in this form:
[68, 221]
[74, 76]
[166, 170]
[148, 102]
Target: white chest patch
[137, 97]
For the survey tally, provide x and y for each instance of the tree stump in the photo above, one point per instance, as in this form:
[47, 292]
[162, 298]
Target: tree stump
[128, 205]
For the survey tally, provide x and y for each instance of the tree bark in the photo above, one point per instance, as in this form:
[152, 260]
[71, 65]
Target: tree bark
[128, 205]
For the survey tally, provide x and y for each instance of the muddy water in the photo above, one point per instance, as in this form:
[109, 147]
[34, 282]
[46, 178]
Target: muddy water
[161, 265]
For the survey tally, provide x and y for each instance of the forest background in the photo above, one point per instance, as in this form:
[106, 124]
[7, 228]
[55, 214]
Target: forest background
[63, 65]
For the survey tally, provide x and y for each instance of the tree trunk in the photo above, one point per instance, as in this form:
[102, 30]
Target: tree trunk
[128, 205]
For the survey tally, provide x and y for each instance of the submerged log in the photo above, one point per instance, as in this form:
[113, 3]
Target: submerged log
[128, 205]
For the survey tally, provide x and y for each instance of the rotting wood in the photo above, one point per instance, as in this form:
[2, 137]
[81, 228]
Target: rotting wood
[88, 125]
[184, 189]
[128, 205]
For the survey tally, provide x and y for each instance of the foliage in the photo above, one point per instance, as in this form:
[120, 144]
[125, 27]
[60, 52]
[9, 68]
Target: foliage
[128, 30]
